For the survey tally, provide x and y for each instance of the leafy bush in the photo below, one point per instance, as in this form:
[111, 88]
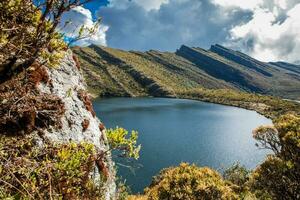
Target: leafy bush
[120, 139]
[278, 177]
[189, 182]
[24, 108]
[29, 170]
[237, 174]
[28, 33]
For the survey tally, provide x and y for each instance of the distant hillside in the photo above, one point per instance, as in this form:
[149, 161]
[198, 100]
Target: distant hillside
[287, 66]
[113, 72]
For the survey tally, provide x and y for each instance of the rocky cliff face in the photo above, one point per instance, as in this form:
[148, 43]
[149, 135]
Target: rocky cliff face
[78, 123]
[77, 120]
[218, 67]
[245, 72]
[290, 67]
[52, 106]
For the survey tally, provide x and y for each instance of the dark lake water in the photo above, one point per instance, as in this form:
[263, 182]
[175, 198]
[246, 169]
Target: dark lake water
[178, 130]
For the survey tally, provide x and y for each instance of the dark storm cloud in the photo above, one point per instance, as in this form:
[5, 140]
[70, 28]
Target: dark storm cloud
[190, 22]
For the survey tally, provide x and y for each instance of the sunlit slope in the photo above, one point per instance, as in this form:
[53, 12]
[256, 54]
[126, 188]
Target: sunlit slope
[114, 72]
[245, 72]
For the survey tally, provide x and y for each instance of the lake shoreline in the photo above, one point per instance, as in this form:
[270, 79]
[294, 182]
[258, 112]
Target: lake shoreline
[184, 98]
[269, 107]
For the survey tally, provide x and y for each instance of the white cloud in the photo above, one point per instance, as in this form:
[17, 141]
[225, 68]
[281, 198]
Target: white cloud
[80, 16]
[266, 29]
[146, 4]
[271, 39]
[151, 4]
[176, 22]
[244, 4]
[281, 3]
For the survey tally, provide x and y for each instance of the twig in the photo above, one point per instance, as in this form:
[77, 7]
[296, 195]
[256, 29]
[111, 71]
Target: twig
[50, 185]
[16, 103]
[46, 111]
[20, 183]
[7, 183]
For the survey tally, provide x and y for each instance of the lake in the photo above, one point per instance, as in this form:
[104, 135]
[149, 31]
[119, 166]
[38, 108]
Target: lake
[172, 131]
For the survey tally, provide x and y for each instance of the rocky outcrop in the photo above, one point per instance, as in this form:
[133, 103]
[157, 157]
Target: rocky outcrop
[217, 67]
[241, 58]
[78, 123]
[288, 66]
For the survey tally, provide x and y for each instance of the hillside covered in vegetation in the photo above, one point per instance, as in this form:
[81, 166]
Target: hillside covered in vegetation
[219, 76]
[113, 72]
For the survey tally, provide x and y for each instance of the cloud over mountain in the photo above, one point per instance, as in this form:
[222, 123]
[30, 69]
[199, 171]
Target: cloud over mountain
[269, 30]
[169, 24]
[273, 33]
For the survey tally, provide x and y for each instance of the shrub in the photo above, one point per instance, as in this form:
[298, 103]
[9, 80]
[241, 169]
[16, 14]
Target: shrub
[279, 175]
[120, 139]
[24, 108]
[29, 170]
[189, 182]
[237, 174]
[28, 33]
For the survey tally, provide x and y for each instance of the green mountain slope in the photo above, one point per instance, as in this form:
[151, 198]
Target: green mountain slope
[113, 72]
[244, 72]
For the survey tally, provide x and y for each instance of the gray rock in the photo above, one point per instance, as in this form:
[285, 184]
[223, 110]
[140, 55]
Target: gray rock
[66, 82]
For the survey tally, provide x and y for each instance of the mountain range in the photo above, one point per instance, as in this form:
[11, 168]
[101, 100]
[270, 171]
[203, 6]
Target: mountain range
[115, 72]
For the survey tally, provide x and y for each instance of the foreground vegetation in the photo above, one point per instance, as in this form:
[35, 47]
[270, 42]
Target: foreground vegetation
[30, 171]
[31, 168]
[31, 165]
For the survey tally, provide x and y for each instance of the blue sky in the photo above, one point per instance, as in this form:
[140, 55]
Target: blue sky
[268, 30]
[95, 5]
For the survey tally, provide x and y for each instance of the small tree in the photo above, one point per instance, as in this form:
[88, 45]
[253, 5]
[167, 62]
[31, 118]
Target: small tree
[278, 177]
[28, 32]
[267, 138]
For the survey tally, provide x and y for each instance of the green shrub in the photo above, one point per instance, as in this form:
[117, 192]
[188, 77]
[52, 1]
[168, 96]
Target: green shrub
[26, 34]
[189, 182]
[237, 174]
[31, 171]
[120, 139]
[278, 177]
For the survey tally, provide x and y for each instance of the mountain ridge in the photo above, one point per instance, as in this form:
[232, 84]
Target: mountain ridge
[115, 72]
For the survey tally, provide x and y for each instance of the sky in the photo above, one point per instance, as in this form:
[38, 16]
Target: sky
[268, 30]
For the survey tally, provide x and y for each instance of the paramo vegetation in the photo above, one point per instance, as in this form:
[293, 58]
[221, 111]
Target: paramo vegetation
[29, 170]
